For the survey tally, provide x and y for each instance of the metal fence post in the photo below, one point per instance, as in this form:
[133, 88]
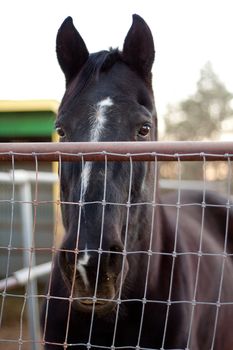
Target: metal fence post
[29, 261]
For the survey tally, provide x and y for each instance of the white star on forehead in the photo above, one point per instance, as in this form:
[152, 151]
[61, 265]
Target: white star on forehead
[98, 121]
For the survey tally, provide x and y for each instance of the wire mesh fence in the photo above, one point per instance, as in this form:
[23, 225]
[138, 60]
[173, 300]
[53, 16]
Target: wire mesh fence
[19, 315]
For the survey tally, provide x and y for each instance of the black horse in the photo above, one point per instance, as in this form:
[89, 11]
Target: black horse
[135, 270]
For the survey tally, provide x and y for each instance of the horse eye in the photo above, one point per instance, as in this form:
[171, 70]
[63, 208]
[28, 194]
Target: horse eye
[60, 131]
[144, 130]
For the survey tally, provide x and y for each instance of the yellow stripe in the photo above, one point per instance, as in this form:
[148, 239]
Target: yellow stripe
[28, 105]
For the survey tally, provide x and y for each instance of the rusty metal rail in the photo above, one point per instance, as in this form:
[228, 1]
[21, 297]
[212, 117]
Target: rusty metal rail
[117, 151]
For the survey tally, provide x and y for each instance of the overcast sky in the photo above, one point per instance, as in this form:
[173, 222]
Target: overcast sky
[187, 34]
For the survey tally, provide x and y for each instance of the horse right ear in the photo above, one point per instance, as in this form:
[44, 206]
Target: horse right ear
[71, 49]
[138, 50]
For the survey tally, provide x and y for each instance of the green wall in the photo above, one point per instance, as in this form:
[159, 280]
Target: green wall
[38, 124]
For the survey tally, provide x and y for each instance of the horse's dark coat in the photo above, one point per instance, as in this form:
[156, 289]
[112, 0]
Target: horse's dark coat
[125, 78]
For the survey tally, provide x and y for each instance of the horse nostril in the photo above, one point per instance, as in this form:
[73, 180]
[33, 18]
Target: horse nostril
[66, 260]
[115, 258]
[116, 248]
[63, 259]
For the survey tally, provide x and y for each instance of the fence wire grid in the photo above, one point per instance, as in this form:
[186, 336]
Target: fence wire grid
[22, 292]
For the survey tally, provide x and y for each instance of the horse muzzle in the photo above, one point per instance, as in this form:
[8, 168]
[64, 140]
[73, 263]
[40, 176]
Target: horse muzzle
[92, 289]
[102, 301]
[99, 306]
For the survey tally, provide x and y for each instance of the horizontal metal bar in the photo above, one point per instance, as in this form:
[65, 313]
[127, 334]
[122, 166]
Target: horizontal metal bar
[117, 151]
[22, 176]
[21, 277]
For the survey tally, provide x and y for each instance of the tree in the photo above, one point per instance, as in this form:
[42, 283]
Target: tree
[200, 116]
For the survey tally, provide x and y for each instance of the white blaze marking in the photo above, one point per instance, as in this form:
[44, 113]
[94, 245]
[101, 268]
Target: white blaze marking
[82, 262]
[85, 176]
[97, 122]
[97, 126]
[99, 119]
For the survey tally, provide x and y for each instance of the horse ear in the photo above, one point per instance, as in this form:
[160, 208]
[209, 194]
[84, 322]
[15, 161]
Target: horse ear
[71, 49]
[138, 50]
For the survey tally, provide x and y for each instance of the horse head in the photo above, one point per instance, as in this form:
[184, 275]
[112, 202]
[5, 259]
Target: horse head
[108, 97]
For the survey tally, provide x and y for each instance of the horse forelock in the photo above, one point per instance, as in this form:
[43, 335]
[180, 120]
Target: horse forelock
[96, 63]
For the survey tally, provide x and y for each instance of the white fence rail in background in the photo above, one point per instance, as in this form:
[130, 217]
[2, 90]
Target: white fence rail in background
[24, 179]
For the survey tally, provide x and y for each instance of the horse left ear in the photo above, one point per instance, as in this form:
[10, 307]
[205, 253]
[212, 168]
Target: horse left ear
[71, 49]
[138, 50]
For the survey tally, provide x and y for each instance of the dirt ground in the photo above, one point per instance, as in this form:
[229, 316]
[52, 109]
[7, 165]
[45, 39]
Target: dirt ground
[14, 323]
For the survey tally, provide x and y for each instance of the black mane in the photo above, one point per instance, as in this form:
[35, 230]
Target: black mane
[96, 63]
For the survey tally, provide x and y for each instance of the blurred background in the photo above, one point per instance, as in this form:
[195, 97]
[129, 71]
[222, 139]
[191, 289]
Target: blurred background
[193, 41]
[193, 86]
